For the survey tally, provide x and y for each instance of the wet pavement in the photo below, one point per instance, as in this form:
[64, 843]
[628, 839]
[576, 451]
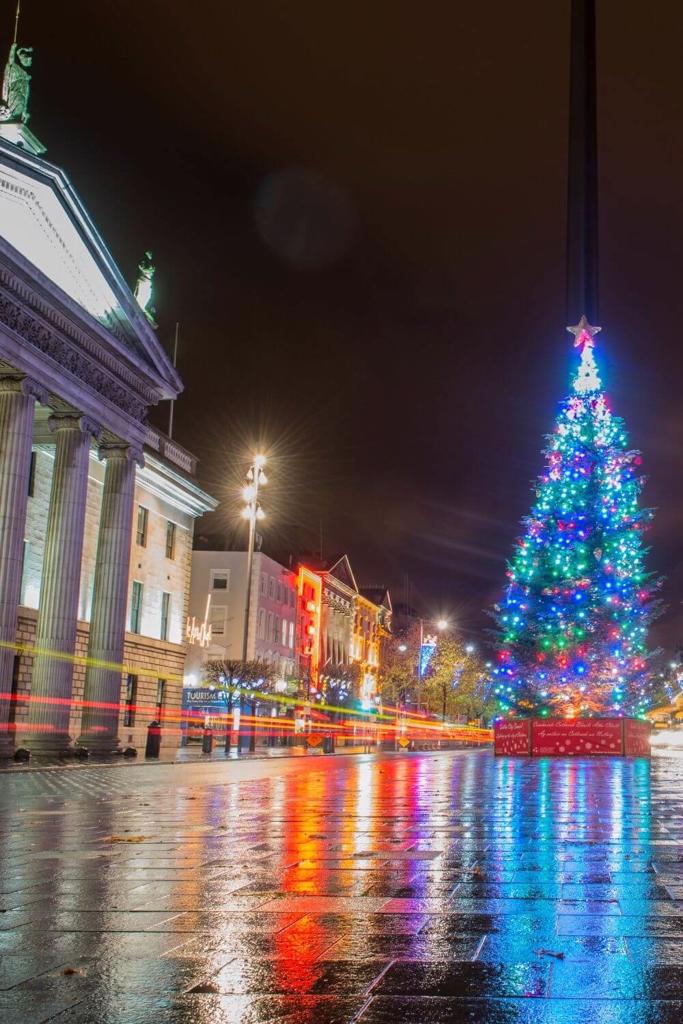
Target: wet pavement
[413, 888]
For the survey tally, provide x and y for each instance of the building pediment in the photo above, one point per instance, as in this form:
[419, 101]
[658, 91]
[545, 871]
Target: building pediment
[43, 220]
[341, 572]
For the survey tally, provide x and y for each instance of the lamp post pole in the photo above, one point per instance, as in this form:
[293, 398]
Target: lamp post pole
[252, 511]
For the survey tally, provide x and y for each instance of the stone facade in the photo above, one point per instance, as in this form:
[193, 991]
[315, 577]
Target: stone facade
[146, 655]
[148, 659]
[272, 611]
[80, 366]
[336, 630]
[366, 644]
[147, 564]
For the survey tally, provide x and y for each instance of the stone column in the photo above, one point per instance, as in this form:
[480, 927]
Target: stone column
[18, 397]
[53, 667]
[102, 697]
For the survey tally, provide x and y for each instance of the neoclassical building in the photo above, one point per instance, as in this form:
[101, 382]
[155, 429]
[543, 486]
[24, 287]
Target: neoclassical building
[339, 595]
[96, 508]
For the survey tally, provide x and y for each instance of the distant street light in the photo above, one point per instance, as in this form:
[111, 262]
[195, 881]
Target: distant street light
[441, 624]
[252, 511]
[403, 648]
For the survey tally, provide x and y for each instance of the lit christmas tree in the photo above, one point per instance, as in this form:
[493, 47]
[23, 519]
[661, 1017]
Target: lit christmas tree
[573, 623]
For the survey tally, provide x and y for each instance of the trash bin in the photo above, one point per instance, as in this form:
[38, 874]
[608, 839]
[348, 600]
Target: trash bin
[207, 741]
[328, 745]
[153, 744]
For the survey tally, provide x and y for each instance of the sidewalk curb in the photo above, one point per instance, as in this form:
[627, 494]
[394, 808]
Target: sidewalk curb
[121, 762]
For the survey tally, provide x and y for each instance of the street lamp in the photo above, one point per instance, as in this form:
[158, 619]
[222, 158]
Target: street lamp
[252, 511]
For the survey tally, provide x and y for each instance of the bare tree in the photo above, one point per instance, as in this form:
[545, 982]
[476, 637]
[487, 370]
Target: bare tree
[245, 679]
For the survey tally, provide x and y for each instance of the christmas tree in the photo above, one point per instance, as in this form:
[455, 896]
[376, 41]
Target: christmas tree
[572, 626]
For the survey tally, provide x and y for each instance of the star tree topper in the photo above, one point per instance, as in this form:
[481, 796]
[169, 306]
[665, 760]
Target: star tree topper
[583, 333]
[587, 377]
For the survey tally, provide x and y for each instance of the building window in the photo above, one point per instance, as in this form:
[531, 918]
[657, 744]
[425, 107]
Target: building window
[218, 615]
[170, 539]
[136, 607]
[291, 635]
[141, 532]
[219, 580]
[270, 625]
[271, 588]
[279, 592]
[161, 698]
[165, 614]
[284, 632]
[261, 624]
[32, 475]
[131, 698]
[264, 584]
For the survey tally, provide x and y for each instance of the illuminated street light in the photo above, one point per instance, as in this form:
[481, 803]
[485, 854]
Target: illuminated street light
[403, 648]
[470, 648]
[441, 624]
[253, 512]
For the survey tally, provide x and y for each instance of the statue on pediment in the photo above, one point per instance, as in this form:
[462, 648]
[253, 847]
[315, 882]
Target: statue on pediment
[16, 84]
[144, 288]
[16, 81]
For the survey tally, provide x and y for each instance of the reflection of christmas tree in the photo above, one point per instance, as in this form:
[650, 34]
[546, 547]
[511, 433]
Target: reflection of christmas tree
[573, 623]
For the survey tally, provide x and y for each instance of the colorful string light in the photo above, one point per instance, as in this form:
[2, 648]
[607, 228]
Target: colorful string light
[573, 622]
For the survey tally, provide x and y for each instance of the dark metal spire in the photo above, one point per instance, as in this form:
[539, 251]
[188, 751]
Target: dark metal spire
[582, 204]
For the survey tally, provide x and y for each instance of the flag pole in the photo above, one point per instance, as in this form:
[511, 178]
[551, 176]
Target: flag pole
[175, 362]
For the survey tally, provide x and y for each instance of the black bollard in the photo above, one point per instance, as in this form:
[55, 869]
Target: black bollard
[153, 745]
[207, 741]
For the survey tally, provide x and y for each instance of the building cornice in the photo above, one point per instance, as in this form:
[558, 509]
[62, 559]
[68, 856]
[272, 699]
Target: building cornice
[129, 325]
[166, 483]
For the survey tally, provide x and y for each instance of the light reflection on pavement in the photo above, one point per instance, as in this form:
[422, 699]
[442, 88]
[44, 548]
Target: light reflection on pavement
[424, 888]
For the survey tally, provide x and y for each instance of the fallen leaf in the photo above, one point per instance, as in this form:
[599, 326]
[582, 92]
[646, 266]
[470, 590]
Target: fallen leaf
[205, 988]
[124, 839]
[549, 952]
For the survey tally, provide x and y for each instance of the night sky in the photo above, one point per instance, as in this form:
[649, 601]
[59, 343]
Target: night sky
[357, 213]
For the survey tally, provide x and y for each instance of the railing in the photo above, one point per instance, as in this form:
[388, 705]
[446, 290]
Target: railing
[171, 450]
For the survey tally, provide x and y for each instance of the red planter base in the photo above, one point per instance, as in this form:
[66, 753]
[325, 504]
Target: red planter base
[572, 737]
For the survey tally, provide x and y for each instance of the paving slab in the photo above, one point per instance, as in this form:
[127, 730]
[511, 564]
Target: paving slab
[432, 887]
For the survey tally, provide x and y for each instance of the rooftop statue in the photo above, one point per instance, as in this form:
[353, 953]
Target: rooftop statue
[16, 80]
[16, 83]
[144, 288]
